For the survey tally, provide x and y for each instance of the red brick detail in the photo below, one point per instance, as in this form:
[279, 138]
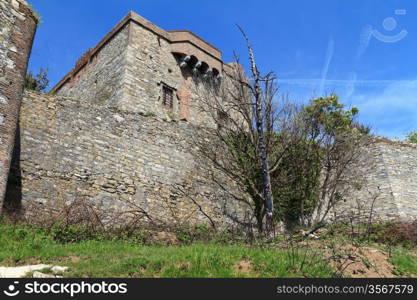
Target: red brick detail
[184, 97]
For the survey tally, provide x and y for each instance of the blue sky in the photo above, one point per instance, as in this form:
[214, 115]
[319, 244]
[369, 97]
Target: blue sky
[363, 50]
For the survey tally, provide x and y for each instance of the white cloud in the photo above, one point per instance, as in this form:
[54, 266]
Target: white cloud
[388, 106]
[364, 40]
[346, 82]
[328, 59]
[350, 85]
[391, 112]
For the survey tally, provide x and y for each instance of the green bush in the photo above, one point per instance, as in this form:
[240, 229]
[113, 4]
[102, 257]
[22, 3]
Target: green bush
[412, 137]
[38, 82]
[73, 233]
[399, 233]
[296, 183]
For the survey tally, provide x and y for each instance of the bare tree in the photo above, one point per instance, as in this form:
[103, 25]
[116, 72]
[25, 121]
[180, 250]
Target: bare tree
[244, 119]
[301, 156]
[261, 119]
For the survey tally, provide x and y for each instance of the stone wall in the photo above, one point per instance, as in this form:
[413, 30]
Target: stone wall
[121, 161]
[132, 163]
[18, 26]
[99, 78]
[150, 65]
[119, 149]
[389, 183]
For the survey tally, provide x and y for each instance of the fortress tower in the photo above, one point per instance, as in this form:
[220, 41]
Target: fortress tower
[140, 67]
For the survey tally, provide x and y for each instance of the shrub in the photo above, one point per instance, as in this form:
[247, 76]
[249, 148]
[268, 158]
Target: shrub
[412, 137]
[395, 233]
[296, 183]
[39, 82]
[72, 233]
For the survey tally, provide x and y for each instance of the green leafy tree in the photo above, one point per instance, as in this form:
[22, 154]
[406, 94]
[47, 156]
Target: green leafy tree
[38, 82]
[291, 163]
[336, 139]
[412, 137]
[296, 183]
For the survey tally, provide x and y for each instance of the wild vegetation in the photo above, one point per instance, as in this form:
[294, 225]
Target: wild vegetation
[412, 137]
[200, 252]
[295, 162]
[38, 82]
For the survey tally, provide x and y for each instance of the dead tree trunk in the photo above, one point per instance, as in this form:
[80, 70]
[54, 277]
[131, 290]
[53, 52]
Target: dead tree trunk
[262, 149]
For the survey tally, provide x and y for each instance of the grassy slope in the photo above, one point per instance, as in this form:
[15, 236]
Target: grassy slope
[128, 258]
[22, 245]
[404, 262]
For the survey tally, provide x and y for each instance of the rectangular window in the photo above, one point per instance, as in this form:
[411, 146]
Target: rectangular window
[167, 96]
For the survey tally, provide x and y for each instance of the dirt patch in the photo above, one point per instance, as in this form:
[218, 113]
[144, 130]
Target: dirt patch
[184, 266]
[29, 261]
[163, 238]
[364, 262]
[74, 258]
[70, 258]
[243, 267]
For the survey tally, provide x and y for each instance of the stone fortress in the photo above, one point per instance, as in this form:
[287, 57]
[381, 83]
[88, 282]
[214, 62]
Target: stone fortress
[116, 130]
[139, 67]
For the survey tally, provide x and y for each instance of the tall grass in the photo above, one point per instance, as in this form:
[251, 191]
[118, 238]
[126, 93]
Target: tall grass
[20, 244]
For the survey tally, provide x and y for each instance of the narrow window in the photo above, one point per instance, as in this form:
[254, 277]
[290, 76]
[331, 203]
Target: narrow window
[167, 96]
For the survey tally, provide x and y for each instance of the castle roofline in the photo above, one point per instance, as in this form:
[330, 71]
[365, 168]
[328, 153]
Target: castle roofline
[172, 36]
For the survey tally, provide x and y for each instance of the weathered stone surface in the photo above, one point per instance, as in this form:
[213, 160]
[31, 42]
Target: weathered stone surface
[130, 66]
[38, 274]
[389, 187]
[119, 149]
[78, 150]
[59, 269]
[100, 80]
[3, 99]
[18, 26]
[21, 271]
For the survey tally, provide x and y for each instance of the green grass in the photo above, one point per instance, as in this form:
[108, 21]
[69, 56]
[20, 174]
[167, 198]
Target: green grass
[94, 254]
[124, 258]
[405, 263]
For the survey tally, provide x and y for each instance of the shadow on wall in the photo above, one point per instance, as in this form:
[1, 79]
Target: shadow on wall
[13, 199]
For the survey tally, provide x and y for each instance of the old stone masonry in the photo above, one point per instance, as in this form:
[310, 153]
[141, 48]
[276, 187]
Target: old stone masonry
[115, 135]
[18, 25]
